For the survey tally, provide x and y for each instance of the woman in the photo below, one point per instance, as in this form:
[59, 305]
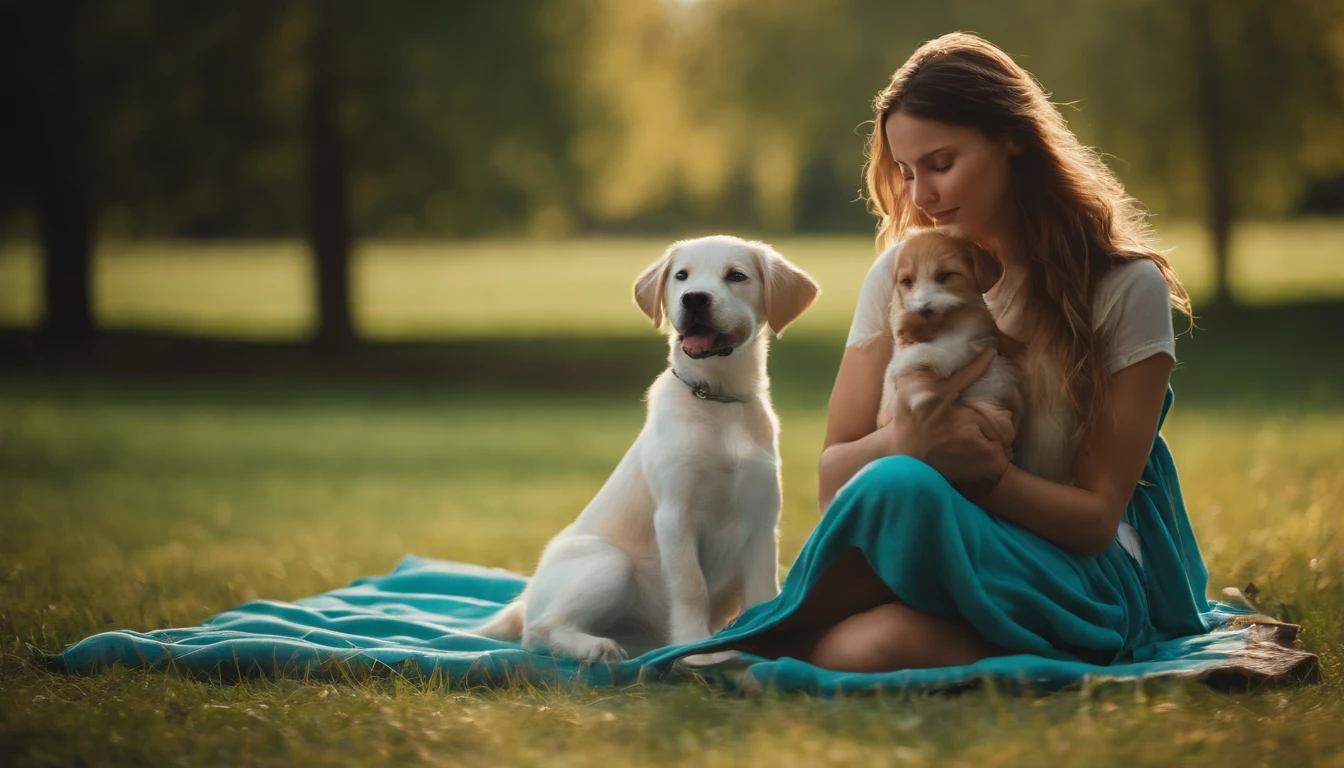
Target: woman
[907, 571]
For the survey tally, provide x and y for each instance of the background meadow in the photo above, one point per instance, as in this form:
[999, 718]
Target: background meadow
[146, 491]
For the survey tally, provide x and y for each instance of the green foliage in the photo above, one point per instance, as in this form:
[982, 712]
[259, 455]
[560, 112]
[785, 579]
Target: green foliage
[1275, 76]
[539, 118]
[192, 116]
[458, 115]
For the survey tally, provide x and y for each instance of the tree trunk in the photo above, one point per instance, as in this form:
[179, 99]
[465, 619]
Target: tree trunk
[46, 132]
[1217, 154]
[328, 211]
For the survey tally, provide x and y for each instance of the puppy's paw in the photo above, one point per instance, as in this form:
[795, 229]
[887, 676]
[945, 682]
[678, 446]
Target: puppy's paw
[884, 417]
[603, 650]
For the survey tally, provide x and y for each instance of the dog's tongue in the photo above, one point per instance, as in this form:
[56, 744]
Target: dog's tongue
[699, 342]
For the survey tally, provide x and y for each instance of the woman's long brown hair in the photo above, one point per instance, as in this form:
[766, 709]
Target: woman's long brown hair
[1073, 220]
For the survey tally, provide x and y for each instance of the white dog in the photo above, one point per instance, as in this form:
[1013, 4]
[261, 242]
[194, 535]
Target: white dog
[684, 534]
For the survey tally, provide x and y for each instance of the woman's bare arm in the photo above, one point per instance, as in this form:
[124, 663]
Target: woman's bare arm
[1084, 517]
[963, 444]
[852, 439]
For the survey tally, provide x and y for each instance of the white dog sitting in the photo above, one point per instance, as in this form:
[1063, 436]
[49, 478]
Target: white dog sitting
[684, 534]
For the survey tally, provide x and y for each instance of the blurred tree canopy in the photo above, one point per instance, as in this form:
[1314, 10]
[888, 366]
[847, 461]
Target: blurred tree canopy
[589, 115]
[1248, 113]
[582, 116]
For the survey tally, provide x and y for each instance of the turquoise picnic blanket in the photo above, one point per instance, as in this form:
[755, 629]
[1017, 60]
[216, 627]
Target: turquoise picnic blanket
[1069, 617]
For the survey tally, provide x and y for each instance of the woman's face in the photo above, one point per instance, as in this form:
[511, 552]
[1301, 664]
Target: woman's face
[955, 175]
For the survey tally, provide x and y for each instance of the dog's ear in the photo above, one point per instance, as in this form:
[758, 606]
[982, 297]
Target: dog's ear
[894, 263]
[788, 290]
[985, 267]
[650, 286]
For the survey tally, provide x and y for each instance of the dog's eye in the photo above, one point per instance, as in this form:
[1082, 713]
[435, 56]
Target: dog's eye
[907, 282]
[735, 276]
[943, 278]
[681, 275]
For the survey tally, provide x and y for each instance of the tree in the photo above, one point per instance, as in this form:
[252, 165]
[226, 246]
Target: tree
[328, 210]
[50, 171]
[1226, 109]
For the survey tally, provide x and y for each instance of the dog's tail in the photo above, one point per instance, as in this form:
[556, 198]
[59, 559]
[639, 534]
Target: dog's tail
[505, 625]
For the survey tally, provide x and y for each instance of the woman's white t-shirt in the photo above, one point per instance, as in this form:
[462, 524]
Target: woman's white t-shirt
[1131, 309]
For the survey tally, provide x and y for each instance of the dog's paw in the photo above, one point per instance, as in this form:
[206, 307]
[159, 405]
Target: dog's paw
[711, 659]
[603, 650]
[689, 635]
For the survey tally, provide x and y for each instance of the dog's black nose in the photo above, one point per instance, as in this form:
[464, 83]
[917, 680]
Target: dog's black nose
[695, 300]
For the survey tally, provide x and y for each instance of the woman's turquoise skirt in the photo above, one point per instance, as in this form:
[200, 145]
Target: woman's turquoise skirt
[1063, 616]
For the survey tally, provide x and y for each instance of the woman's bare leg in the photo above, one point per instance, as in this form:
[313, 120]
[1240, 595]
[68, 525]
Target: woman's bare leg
[895, 636]
[851, 621]
[848, 587]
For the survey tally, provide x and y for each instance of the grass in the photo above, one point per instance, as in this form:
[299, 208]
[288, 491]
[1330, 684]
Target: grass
[438, 290]
[141, 505]
[140, 497]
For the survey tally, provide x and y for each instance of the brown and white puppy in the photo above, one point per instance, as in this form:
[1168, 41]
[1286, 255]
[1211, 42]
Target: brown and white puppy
[940, 322]
[683, 535]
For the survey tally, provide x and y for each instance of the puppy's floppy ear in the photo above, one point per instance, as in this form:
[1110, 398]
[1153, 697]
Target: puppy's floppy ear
[985, 267]
[788, 290]
[651, 284]
[896, 251]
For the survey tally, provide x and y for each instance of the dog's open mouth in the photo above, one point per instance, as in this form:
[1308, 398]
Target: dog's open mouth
[700, 341]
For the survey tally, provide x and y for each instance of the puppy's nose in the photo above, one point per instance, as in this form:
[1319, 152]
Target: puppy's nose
[695, 300]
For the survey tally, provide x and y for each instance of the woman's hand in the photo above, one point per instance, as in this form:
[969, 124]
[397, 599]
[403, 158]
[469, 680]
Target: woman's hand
[970, 445]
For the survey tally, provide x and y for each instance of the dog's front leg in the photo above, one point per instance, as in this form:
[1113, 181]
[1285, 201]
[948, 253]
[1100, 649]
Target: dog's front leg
[760, 568]
[679, 553]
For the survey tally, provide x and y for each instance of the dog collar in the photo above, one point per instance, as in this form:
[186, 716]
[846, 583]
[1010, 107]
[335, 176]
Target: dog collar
[701, 391]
